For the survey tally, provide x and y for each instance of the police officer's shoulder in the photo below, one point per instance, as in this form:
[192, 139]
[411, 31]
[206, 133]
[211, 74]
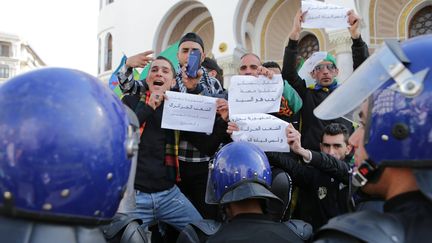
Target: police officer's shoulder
[300, 228]
[128, 226]
[199, 231]
[32, 231]
[207, 226]
[367, 226]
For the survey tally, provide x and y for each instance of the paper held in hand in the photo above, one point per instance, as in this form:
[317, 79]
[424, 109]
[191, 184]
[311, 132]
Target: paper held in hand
[188, 112]
[248, 94]
[324, 15]
[265, 131]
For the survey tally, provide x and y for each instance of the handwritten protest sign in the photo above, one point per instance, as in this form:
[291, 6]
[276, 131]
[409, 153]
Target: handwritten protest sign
[187, 112]
[248, 94]
[263, 130]
[324, 15]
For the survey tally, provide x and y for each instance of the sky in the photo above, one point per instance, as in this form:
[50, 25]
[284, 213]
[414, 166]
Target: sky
[62, 32]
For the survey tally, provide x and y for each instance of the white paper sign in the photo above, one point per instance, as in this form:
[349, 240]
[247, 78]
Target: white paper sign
[263, 130]
[324, 15]
[248, 94]
[188, 112]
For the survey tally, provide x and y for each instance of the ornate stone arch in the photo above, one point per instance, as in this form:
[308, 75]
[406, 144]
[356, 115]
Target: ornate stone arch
[262, 26]
[308, 44]
[275, 30]
[245, 24]
[183, 17]
[320, 34]
[409, 12]
[385, 17]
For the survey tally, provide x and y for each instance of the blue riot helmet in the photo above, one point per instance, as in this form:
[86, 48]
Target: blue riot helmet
[397, 79]
[66, 147]
[239, 171]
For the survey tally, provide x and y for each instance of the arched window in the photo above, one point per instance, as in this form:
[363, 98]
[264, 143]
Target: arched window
[99, 55]
[308, 45]
[421, 23]
[108, 52]
[5, 49]
[4, 71]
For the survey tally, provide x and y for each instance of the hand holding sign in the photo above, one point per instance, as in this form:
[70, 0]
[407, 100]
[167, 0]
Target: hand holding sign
[354, 22]
[293, 138]
[263, 130]
[248, 94]
[187, 112]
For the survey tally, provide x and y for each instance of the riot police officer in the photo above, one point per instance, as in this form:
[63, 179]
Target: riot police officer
[392, 145]
[66, 151]
[239, 181]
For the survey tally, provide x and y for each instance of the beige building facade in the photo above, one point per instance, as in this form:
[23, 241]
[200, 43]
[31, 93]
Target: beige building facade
[231, 28]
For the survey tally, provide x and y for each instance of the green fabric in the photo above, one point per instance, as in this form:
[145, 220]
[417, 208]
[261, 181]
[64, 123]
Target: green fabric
[330, 58]
[300, 64]
[118, 92]
[295, 103]
[136, 74]
[170, 53]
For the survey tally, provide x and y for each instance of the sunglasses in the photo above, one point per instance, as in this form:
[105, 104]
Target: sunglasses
[320, 67]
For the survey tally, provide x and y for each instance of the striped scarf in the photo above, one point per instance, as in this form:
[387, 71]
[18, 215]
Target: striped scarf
[285, 110]
[171, 148]
[329, 88]
[205, 81]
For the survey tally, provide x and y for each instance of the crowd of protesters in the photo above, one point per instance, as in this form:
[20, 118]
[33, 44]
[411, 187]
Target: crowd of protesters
[204, 187]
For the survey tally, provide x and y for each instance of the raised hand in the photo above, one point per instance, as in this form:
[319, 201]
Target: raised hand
[232, 126]
[266, 72]
[222, 108]
[354, 22]
[139, 60]
[191, 83]
[156, 99]
[293, 138]
[296, 28]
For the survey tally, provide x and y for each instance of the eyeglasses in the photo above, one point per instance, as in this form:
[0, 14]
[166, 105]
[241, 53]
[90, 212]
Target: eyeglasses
[320, 67]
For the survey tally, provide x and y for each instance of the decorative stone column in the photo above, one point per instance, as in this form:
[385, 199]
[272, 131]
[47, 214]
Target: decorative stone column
[341, 41]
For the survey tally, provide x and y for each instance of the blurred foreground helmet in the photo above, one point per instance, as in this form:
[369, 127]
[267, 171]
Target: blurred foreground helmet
[398, 81]
[64, 147]
[240, 170]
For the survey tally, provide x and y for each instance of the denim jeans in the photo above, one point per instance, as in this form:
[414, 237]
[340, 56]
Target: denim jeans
[169, 206]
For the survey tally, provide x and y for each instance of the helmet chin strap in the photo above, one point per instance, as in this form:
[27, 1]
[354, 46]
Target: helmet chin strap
[366, 172]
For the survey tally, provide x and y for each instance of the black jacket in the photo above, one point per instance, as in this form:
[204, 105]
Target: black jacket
[311, 127]
[414, 211]
[254, 228]
[323, 191]
[151, 172]
[152, 175]
[407, 217]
